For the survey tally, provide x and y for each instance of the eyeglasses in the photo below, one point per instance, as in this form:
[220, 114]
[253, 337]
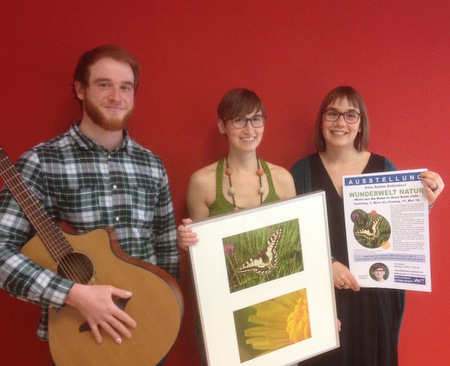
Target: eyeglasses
[349, 117]
[257, 121]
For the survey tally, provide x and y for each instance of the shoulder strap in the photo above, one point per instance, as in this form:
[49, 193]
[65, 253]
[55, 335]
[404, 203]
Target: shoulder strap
[219, 177]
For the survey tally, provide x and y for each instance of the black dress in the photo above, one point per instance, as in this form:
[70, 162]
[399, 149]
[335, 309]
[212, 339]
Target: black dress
[370, 318]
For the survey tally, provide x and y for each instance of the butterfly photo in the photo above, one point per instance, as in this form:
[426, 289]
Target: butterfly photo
[262, 255]
[267, 259]
[370, 228]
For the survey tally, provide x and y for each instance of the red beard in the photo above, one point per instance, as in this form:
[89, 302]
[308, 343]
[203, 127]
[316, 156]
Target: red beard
[108, 124]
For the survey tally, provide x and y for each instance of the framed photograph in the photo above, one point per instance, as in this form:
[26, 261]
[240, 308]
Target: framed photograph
[264, 283]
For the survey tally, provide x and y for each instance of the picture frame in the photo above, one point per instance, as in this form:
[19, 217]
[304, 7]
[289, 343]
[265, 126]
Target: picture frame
[264, 283]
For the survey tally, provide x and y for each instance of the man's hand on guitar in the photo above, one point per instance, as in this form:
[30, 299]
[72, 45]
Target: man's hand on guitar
[96, 305]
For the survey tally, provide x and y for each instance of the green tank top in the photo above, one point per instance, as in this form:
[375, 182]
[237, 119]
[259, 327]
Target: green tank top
[221, 205]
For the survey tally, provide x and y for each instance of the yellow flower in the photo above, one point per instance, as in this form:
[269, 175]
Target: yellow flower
[281, 322]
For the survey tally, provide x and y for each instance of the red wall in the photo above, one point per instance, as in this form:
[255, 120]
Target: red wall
[396, 53]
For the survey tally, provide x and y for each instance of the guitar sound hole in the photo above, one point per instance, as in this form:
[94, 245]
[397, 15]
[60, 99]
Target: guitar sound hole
[76, 267]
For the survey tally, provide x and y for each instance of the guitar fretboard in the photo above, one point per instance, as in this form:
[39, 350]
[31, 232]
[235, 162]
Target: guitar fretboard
[50, 233]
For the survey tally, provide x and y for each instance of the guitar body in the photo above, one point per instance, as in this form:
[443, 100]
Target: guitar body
[156, 304]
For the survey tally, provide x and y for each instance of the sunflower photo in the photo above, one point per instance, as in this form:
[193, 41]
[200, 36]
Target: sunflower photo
[272, 325]
[261, 255]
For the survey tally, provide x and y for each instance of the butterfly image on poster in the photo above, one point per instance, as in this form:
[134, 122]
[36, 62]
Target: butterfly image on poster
[370, 229]
[267, 259]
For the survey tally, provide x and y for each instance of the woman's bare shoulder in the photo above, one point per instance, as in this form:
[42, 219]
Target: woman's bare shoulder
[204, 175]
[283, 181]
[279, 171]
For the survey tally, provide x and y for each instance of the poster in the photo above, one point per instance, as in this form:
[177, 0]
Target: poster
[386, 218]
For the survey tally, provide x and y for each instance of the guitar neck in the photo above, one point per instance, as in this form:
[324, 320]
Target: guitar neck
[50, 233]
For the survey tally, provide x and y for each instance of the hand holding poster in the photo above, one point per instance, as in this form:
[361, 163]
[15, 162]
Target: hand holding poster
[386, 219]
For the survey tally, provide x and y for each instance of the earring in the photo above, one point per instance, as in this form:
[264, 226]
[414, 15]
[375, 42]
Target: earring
[222, 131]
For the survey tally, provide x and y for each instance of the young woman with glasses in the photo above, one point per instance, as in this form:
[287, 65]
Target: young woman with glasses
[370, 317]
[241, 179]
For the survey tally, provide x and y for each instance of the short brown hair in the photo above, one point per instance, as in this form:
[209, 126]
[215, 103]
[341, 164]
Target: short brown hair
[237, 102]
[89, 58]
[355, 99]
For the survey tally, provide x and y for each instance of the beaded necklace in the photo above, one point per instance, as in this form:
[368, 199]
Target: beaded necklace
[232, 190]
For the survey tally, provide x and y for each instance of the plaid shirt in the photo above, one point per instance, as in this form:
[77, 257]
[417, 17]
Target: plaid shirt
[89, 187]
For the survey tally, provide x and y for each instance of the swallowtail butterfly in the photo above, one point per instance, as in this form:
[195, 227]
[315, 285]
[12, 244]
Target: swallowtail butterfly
[266, 259]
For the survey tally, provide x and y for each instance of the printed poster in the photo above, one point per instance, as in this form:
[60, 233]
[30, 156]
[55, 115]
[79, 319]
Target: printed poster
[386, 219]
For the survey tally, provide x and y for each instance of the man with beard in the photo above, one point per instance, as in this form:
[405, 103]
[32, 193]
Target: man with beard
[92, 176]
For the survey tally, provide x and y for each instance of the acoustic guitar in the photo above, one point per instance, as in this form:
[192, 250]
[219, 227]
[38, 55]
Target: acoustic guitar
[96, 258]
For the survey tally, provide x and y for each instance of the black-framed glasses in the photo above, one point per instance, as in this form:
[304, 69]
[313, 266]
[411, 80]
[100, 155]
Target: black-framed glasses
[350, 117]
[256, 121]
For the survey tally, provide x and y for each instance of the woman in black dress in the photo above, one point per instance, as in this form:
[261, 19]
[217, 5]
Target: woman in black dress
[370, 317]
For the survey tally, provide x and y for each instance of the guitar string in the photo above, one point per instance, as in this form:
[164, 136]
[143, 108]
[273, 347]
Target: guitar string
[52, 236]
[37, 214]
[49, 232]
[79, 274]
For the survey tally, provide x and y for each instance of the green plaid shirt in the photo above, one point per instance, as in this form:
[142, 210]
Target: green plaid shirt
[83, 184]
